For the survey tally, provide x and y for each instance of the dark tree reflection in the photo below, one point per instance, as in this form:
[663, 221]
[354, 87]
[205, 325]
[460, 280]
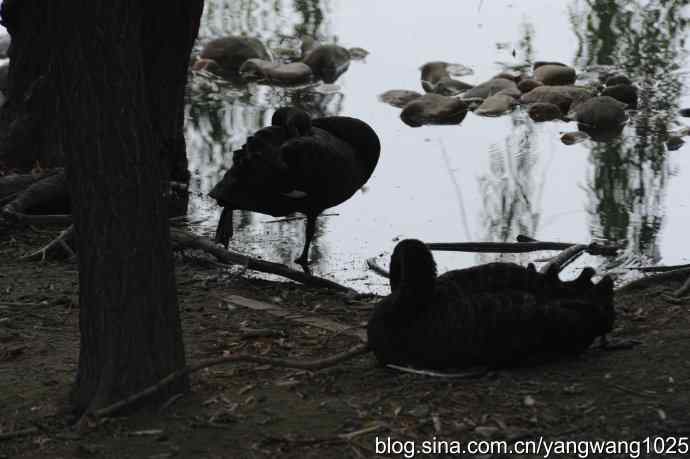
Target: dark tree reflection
[645, 41]
[511, 189]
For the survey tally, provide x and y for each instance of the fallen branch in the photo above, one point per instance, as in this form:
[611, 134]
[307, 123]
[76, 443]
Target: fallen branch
[277, 311]
[465, 375]
[40, 254]
[185, 239]
[564, 258]
[298, 217]
[371, 263]
[657, 269]
[38, 219]
[18, 433]
[517, 247]
[318, 364]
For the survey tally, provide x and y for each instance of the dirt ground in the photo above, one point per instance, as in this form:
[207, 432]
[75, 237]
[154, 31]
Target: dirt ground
[249, 410]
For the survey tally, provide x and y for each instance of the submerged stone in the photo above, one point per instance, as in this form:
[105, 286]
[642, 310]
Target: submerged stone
[528, 84]
[434, 109]
[564, 97]
[617, 79]
[489, 88]
[542, 111]
[555, 74]
[625, 93]
[399, 97]
[571, 138]
[601, 112]
[293, 73]
[496, 105]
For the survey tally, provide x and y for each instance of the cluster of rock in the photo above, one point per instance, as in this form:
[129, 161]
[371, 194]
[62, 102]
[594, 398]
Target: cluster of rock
[247, 58]
[549, 93]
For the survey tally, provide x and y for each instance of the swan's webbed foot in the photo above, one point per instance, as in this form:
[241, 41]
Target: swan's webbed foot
[224, 230]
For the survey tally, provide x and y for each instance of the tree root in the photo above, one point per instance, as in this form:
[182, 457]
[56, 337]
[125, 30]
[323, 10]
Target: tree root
[185, 239]
[18, 433]
[60, 241]
[89, 419]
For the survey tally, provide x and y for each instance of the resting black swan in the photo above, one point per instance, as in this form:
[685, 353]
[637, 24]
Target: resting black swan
[297, 165]
[496, 315]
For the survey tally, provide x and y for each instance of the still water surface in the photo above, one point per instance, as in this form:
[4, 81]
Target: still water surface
[487, 179]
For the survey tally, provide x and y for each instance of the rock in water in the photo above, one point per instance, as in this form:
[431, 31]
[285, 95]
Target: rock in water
[601, 112]
[528, 84]
[555, 74]
[434, 109]
[542, 111]
[618, 79]
[625, 93]
[564, 97]
[399, 97]
[571, 138]
[489, 88]
[496, 105]
[226, 55]
[327, 62]
[293, 73]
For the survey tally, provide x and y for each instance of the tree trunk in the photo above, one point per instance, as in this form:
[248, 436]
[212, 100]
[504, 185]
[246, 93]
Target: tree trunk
[110, 79]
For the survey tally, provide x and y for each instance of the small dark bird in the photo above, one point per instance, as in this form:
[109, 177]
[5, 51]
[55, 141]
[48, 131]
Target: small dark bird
[495, 315]
[297, 165]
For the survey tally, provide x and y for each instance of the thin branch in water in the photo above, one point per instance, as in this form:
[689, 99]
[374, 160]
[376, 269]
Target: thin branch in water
[564, 258]
[185, 239]
[371, 263]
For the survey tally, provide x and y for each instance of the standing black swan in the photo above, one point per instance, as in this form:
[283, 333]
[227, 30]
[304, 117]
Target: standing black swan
[297, 165]
[496, 315]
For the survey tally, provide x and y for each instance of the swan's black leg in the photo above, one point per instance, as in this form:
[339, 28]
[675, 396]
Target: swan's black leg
[224, 229]
[308, 235]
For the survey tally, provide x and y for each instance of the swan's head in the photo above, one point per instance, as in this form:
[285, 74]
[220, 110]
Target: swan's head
[412, 266]
[295, 121]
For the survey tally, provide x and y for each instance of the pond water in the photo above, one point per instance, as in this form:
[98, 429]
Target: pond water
[487, 179]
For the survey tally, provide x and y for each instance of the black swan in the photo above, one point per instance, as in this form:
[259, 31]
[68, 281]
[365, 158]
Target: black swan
[297, 165]
[494, 315]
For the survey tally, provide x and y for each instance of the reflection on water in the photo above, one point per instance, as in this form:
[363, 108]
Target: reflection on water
[510, 188]
[487, 179]
[629, 175]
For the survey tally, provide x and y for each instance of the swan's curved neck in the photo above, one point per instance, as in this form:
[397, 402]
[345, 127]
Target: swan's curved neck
[413, 269]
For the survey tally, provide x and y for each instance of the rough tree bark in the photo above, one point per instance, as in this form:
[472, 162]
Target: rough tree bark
[102, 82]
